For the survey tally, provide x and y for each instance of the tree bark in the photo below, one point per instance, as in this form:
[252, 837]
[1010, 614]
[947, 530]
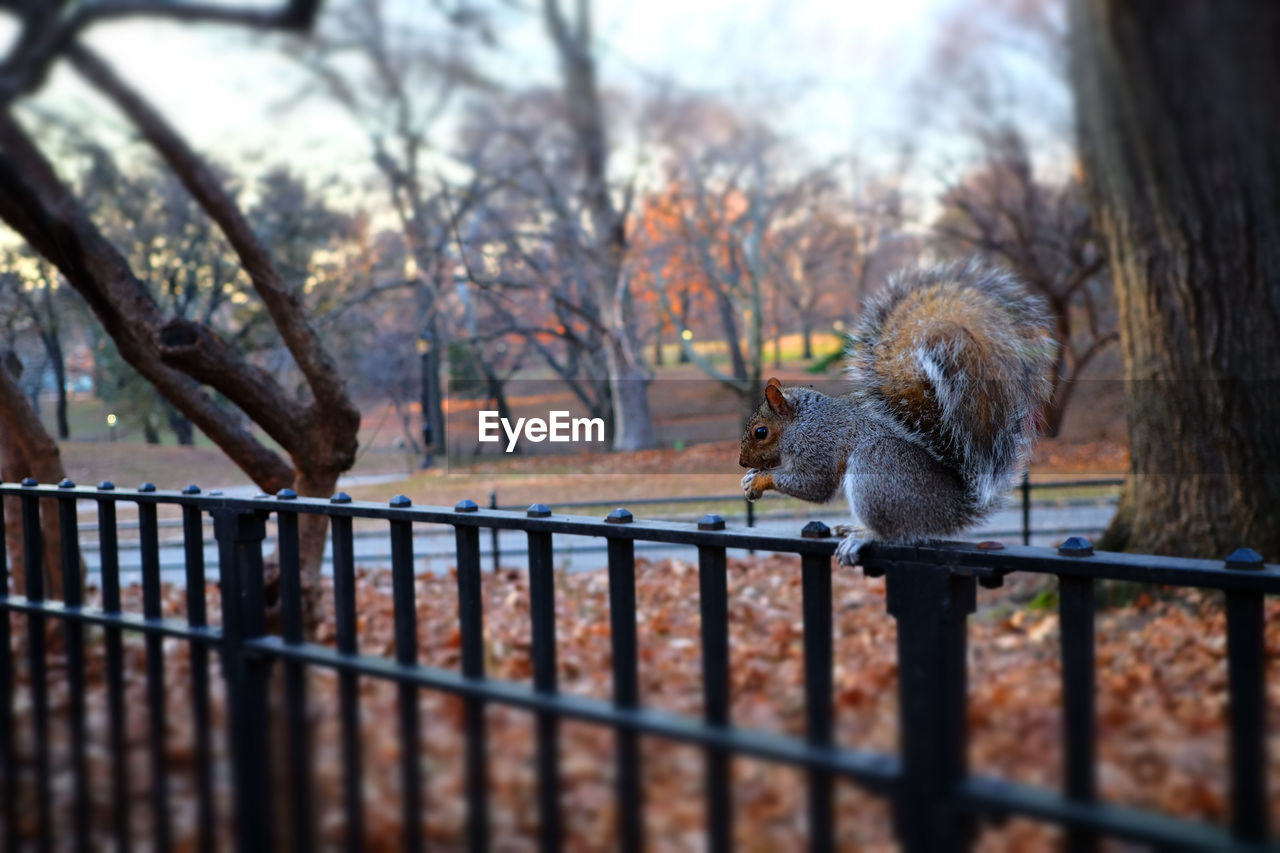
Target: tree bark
[181, 428]
[53, 347]
[27, 450]
[1179, 113]
[628, 377]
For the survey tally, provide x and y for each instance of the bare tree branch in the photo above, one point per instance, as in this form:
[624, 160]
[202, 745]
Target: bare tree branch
[50, 33]
[282, 301]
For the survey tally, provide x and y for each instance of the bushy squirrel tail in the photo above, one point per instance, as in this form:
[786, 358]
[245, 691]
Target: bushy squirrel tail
[955, 358]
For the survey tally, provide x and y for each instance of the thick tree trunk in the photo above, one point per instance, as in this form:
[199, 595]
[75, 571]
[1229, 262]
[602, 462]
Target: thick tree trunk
[433, 391]
[53, 348]
[729, 323]
[27, 450]
[629, 382]
[1179, 116]
[181, 427]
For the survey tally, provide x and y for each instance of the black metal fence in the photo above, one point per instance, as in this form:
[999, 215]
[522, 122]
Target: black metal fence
[931, 591]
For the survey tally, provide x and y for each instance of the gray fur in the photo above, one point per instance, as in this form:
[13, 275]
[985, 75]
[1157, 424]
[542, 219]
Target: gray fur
[902, 481]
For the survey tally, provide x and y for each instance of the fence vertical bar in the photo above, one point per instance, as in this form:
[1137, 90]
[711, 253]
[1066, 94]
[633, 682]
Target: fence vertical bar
[471, 627]
[109, 568]
[73, 636]
[1026, 508]
[713, 594]
[197, 617]
[1246, 657]
[406, 642]
[542, 611]
[493, 534]
[815, 581]
[295, 682]
[33, 558]
[626, 688]
[148, 536]
[240, 534]
[931, 606]
[1079, 728]
[344, 600]
[8, 762]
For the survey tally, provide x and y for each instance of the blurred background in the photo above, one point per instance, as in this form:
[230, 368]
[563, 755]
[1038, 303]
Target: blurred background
[610, 199]
[298, 244]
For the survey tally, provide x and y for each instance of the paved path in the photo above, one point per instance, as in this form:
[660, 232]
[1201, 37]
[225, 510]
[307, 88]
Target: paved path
[1051, 522]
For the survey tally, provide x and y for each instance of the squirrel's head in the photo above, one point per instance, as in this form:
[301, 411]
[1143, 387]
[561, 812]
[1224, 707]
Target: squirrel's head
[761, 443]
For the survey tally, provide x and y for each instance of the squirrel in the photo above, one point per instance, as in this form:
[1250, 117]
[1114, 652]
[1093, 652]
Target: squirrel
[948, 369]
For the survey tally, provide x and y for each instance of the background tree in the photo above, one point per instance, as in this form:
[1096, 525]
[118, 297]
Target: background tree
[1044, 233]
[523, 249]
[1179, 113]
[26, 450]
[186, 360]
[397, 78]
[602, 243]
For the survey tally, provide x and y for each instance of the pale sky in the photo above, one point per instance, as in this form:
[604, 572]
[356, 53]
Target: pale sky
[834, 74]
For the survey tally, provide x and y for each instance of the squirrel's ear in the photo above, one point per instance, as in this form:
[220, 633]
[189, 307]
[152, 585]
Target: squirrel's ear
[773, 381]
[777, 402]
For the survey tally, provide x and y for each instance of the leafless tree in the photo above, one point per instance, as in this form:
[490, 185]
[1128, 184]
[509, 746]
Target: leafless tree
[602, 245]
[397, 79]
[1044, 233]
[182, 357]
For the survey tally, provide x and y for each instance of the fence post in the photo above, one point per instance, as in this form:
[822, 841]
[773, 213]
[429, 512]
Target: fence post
[240, 534]
[1026, 507]
[493, 533]
[931, 605]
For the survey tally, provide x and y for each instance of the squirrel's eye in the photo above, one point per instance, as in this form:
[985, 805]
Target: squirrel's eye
[762, 432]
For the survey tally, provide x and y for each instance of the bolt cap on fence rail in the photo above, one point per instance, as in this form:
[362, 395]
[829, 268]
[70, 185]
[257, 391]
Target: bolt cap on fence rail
[400, 501]
[815, 530]
[711, 522]
[191, 489]
[340, 498]
[466, 505]
[619, 516]
[29, 482]
[147, 487]
[65, 483]
[286, 495]
[1245, 559]
[538, 511]
[106, 486]
[1076, 546]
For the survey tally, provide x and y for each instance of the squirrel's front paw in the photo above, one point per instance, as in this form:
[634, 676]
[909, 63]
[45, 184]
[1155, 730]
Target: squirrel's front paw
[849, 549]
[756, 483]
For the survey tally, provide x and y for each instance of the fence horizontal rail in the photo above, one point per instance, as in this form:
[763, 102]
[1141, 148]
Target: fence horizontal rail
[930, 593]
[874, 771]
[1140, 568]
[998, 798]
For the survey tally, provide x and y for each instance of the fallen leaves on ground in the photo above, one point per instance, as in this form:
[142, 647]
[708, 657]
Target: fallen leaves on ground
[1161, 711]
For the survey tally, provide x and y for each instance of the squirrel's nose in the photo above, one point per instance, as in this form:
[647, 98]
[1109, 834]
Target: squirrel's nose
[743, 461]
